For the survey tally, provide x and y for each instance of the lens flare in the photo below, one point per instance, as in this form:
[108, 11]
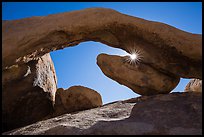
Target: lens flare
[134, 56]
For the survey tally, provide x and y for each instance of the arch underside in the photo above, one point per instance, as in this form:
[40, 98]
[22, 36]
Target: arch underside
[167, 49]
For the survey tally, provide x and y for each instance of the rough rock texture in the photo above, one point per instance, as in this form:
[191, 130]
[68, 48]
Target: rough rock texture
[141, 78]
[166, 48]
[195, 85]
[164, 114]
[75, 98]
[168, 53]
[28, 92]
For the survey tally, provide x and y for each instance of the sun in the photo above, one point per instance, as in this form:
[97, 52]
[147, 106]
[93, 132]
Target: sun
[134, 56]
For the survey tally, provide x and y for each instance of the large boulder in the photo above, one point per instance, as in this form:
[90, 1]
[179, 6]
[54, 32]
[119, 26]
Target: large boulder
[141, 78]
[75, 98]
[166, 48]
[28, 92]
[164, 114]
[195, 85]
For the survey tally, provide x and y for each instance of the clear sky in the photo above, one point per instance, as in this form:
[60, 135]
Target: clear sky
[77, 65]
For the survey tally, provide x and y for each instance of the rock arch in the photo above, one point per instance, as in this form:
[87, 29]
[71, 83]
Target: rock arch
[168, 52]
[167, 49]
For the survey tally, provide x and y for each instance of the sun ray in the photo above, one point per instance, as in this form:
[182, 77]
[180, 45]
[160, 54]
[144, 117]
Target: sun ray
[134, 56]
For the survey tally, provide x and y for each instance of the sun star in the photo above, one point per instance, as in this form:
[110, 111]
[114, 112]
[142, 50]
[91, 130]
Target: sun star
[135, 56]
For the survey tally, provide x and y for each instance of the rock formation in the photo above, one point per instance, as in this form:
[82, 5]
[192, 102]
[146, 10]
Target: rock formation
[29, 79]
[141, 78]
[28, 92]
[195, 85]
[76, 98]
[167, 49]
[164, 114]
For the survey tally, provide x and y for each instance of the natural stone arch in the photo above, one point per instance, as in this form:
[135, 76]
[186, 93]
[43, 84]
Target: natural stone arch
[167, 49]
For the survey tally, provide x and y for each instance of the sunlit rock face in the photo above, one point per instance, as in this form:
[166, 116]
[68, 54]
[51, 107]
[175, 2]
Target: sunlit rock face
[141, 78]
[164, 114]
[195, 85]
[28, 92]
[166, 48]
[75, 98]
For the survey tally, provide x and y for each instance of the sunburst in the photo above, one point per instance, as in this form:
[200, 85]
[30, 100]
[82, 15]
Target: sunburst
[134, 56]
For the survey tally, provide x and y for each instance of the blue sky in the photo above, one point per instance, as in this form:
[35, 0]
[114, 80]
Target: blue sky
[77, 65]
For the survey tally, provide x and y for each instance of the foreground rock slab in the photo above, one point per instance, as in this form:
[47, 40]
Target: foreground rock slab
[168, 114]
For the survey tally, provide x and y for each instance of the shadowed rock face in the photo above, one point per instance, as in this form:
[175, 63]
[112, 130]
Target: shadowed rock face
[141, 78]
[164, 114]
[167, 49]
[28, 92]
